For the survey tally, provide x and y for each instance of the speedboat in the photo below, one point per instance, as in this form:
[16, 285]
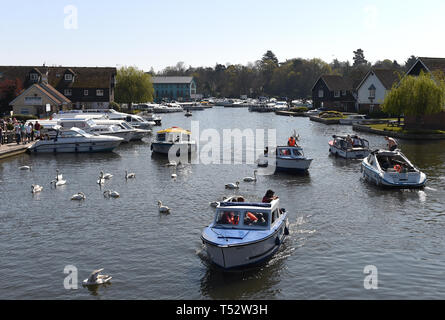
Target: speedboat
[174, 136]
[96, 278]
[349, 147]
[287, 159]
[392, 169]
[74, 140]
[244, 233]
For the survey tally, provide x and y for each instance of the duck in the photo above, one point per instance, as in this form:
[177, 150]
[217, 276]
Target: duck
[250, 179]
[163, 209]
[36, 188]
[25, 168]
[129, 175]
[111, 194]
[232, 185]
[96, 278]
[79, 196]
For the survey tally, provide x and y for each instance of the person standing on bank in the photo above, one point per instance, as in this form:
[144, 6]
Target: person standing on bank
[392, 144]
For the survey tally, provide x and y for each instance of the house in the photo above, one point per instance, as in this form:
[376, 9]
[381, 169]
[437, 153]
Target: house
[87, 87]
[40, 99]
[373, 88]
[427, 65]
[333, 92]
[174, 88]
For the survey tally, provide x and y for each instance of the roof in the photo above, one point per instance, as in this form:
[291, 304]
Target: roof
[171, 80]
[386, 76]
[85, 77]
[433, 64]
[336, 82]
[174, 130]
[49, 91]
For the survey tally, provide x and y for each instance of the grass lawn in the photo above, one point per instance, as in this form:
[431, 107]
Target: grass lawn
[385, 127]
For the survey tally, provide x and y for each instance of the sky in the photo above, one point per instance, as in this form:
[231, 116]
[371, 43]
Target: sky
[156, 34]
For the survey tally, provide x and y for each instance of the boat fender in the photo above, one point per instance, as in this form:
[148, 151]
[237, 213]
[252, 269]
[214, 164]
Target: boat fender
[286, 230]
[277, 241]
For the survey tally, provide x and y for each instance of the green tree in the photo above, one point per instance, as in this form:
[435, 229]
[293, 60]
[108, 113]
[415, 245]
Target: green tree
[133, 86]
[416, 96]
[359, 57]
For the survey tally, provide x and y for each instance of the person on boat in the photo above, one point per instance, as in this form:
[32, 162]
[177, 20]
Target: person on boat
[292, 142]
[229, 218]
[269, 196]
[392, 144]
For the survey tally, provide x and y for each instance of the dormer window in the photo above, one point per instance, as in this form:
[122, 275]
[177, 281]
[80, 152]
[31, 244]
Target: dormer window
[371, 92]
[68, 77]
[33, 76]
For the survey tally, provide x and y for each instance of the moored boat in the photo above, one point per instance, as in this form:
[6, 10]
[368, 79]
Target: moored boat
[287, 159]
[245, 233]
[392, 169]
[174, 136]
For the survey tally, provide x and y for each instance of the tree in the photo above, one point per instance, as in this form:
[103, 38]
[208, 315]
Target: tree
[410, 62]
[416, 96]
[133, 86]
[359, 57]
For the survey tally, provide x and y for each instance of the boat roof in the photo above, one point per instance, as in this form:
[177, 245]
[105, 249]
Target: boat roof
[174, 130]
[249, 205]
[345, 136]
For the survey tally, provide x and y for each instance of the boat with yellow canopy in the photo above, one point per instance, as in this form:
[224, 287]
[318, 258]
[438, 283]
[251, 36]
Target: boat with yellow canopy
[174, 136]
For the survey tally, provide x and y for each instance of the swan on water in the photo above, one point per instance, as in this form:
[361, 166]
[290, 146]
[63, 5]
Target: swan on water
[36, 188]
[25, 168]
[111, 194]
[250, 179]
[163, 209]
[101, 180]
[96, 278]
[106, 176]
[129, 175]
[233, 185]
[59, 180]
[79, 196]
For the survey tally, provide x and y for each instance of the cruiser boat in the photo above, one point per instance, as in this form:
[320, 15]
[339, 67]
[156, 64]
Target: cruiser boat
[392, 169]
[75, 140]
[137, 134]
[244, 233]
[174, 136]
[287, 159]
[353, 119]
[349, 147]
[151, 117]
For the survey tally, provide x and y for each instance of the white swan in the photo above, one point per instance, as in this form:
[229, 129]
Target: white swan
[58, 176]
[79, 196]
[171, 164]
[233, 185]
[250, 179]
[174, 175]
[101, 180]
[111, 194]
[59, 180]
[163, 209]
[107, 176]
[129, 175]
[36, 188]
[25, 168]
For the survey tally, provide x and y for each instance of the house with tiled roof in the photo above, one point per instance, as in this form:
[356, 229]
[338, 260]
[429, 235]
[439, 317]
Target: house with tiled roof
[372, 90]
[85, 87]
[333, 92]
[428, 65]
[40, 99]
[174, 88]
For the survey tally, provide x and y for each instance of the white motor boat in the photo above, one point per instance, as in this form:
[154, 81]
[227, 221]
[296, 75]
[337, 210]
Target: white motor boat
[287, 159]
[353, 119]
[96, 278]
[174, 136]
[245, 233]
[349, 147]
[392, 169]
[137, 134]
[75, 140]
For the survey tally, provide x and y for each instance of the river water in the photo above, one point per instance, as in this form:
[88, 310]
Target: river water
[339, 224]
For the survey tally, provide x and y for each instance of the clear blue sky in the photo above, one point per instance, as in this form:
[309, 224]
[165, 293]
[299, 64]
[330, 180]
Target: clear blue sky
[204, 32]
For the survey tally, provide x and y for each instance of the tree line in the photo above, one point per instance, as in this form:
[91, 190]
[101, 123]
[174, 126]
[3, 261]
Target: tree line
[292, 78]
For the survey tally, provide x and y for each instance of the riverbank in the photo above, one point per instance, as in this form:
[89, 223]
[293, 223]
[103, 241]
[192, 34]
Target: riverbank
[12, 149]
[291, 113]
[399, 134]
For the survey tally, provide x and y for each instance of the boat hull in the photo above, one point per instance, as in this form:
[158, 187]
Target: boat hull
[360, 153]
[164, 148]
[288, 165]
[44, 146]
[396, 180]
[246, 254]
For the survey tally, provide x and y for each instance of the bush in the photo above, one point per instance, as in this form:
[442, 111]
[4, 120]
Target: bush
[22, 117]
[331, 114]
[115, 106]
[299, 109]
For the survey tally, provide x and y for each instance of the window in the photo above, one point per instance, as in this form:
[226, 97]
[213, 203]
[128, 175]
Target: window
[33, 101]
[256, 219]
[99, 92]
[34, 76]
[371, 92]
[67, 92]
[320, 93]
[337, 93]
[228, 218]
[343, 92]
[68, 77]
[85, 92]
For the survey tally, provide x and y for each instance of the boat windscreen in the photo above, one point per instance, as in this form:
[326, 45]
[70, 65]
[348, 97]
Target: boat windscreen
[228, 217]
[256, 219]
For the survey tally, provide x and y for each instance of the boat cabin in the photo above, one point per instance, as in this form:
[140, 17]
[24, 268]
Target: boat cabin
[287, 152]
[244, 215]
[349, 142]
[390, 161]
[173, 135]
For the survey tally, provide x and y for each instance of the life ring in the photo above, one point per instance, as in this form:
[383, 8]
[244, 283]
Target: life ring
[398, 168]
[252, 216]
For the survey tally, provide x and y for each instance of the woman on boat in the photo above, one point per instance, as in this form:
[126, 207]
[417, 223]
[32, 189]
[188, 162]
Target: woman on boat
[269, 196]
